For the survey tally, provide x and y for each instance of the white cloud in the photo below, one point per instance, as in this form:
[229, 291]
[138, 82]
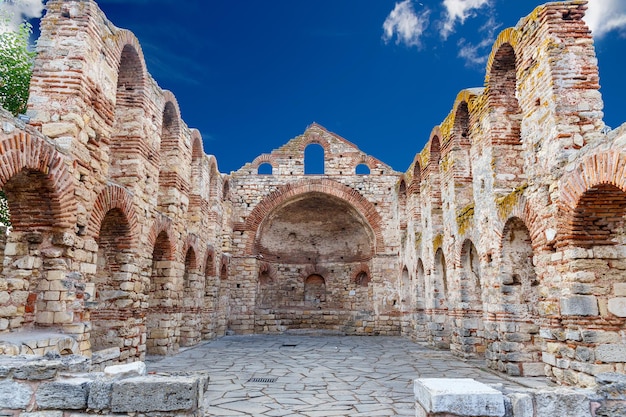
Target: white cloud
[604, 16]
[407, 25]
[16, 11]
[458, 11]
[477, 54]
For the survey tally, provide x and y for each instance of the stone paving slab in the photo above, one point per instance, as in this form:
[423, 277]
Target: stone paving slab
[317, 375]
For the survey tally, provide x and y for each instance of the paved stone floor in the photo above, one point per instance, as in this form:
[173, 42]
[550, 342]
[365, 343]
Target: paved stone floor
[311, 376]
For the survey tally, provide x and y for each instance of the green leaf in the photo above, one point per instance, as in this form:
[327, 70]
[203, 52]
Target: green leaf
[16, 68]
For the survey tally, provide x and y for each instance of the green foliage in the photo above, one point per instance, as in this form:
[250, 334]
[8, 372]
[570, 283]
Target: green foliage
[16, 66]
[5, 217]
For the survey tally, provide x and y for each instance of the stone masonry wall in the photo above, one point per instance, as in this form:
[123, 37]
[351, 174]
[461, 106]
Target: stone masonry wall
[517, 201]
[50, 386]
[115, 208]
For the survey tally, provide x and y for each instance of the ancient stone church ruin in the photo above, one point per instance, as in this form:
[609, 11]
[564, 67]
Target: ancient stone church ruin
[505, 239]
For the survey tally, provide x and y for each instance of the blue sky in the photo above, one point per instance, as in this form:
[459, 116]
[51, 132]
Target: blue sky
[250, 75]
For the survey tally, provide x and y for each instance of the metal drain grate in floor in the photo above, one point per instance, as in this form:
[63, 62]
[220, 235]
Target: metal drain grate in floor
[263, 380]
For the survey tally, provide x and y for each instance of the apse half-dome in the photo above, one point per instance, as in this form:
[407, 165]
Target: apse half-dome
[315, 228]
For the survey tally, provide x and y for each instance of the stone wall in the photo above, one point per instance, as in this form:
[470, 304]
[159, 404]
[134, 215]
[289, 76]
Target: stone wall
[115, 207]
[316, 250]
[516, 240]
[50, 386]
[504, 240]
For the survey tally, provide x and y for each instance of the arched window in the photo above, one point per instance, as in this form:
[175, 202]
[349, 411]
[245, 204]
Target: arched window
[265, 169]
[362, 169]
[314, 159]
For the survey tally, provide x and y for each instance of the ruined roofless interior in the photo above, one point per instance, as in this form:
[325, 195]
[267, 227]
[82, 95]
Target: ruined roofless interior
[505, 240]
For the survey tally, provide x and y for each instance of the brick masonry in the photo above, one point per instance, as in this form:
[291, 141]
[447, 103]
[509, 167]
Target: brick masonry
[504, 240]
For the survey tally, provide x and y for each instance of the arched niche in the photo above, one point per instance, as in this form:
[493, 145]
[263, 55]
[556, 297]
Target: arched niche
[315, 228]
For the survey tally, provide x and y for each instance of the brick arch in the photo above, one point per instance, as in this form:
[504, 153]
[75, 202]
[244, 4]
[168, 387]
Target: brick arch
[214, 175]
[431, 168]
[192, 242]
[162, 224]
[458, 150]
[197, 149]
[209, 269]
[509, 36]
[125, 38]
[171, 128]
[197, 173]
[450, 128]
[366, 160]
[461, 122]
[23, 151]
[224, 263]
[314, 138]
[401, 184]
[174, 138]
[325, 186]
[265, 158]
[127, 140]
[523, 211]
[111, 197]
[362, 268]
[127, 43]
[426, 156]
[415, 175]
[596, 170]
[467, 95]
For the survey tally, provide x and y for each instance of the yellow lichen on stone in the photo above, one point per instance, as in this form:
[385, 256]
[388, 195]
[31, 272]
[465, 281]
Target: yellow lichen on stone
[447, 126]
[506, 204]
[464, 218]
[437, 242]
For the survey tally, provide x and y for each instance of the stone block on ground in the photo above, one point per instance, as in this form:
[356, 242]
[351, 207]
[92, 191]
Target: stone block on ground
[157, 394]
[461, 397]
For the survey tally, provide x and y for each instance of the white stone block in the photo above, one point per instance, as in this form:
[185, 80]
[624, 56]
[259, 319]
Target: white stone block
[579, 305]
[617, 306]
[462, 397]
[126, 370]
[613, 352]
[619, 289]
